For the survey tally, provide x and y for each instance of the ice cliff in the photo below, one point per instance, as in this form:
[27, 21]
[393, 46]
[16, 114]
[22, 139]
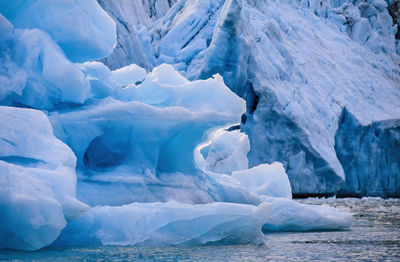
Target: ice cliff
[90, 155]
[320, 78]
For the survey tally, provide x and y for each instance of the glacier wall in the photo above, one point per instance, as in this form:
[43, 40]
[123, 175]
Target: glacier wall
[370, 156]
[298, 64]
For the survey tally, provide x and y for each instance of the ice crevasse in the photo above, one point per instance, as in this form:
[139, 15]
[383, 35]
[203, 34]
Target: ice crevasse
[92, 156]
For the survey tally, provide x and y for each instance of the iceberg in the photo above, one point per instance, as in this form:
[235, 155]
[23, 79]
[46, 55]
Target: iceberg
[132, 19]
[37, 181]
[171, 223]
[144, 145]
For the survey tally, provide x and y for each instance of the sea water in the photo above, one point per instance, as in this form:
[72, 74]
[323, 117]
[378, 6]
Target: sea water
[375, 236]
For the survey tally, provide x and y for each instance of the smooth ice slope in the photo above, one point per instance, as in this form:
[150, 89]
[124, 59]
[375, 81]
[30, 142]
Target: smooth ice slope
[34, 71]
[171, 223]
[37, 181]
[82, 28]
[299, 65]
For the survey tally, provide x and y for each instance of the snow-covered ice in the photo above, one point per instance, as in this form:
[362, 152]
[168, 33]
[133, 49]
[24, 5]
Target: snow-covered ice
[226, 152]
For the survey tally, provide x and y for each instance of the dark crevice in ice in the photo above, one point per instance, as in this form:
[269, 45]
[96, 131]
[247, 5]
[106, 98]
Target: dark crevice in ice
[22, 161]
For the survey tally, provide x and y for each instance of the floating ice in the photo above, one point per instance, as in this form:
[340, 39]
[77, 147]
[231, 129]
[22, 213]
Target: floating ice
[268, 180]
[37, 181]
[130, 74]
[171, 223]
[289, 215]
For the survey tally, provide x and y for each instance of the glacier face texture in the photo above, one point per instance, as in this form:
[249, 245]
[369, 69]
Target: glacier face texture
[370, 156]
[132, 18]
[299, 65]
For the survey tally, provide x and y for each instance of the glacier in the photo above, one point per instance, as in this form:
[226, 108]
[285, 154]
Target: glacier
[176, 142]
[301, 66]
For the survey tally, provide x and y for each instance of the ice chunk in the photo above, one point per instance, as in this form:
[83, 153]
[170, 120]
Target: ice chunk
[269, 180]
[289, 215]
[34, 71]
[171, 223]
[104, 82]
[226, 152]
[37, 181]
[130, 74]
[82, 28]
[100, 79]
